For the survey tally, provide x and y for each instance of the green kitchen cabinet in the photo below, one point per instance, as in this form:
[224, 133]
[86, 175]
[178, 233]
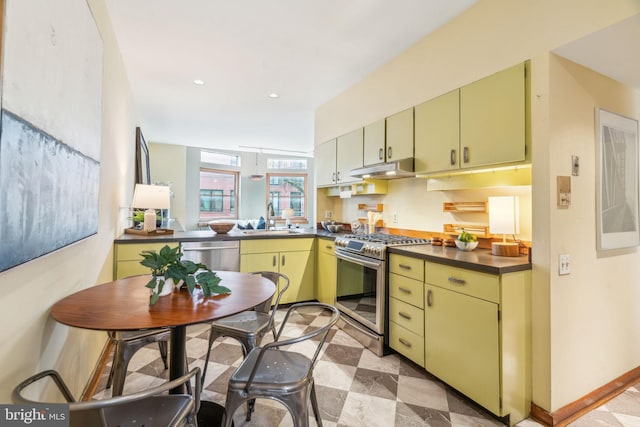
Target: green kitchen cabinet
[480, 124]
[325, 163]
[374, 143]
[477, 335]
[406, 307]
[492, 119]
[335, 158]
[127, 258]
[399, 136]
[294, 258]
[437, 134]
[326, 271]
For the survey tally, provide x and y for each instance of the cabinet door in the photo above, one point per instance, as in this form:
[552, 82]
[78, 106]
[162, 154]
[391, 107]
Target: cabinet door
[492, 119]
[462, 344]
[127, 258]
[374, 144]
[325, 163]
[349, 156]
[326, 273]
[299, 268]
[437, 139]
[399, 136]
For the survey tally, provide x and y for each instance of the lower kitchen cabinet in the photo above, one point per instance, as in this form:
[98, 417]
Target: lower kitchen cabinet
[127, 258]
[326, 271]
[477, 335]
[294, 258]
[406, 307]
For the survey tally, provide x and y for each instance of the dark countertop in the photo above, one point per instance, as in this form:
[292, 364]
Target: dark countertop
[208, 235]
[478, 259]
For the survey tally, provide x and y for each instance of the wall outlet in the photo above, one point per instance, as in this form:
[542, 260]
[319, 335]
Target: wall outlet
[564, 264]
[328, 214]
[395, 217]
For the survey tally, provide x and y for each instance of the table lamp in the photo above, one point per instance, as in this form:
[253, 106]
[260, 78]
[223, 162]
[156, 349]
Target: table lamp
[287, 214]
[504, 218]
[150, 197]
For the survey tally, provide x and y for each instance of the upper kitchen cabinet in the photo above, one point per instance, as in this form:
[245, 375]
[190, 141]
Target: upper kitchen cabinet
[374, 143]
[437, 133]
[481, 124]
[492, 119]
[399, 136]
[325, 163]
[335, 158]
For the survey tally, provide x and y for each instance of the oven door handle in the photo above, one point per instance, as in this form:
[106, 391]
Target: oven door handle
[357, 260]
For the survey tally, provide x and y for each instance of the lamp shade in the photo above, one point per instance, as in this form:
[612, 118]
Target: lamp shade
[151, 197]
[504, 215]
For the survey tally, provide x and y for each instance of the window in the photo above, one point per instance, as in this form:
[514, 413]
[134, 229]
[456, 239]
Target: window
[219, 158]
[288, 191]
[218, 190]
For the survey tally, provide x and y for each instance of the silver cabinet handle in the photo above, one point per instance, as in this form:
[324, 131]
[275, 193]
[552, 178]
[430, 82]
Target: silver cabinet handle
[380, 154]
[404, 266]
[283, 260]
[465, 154]
[404, 315]
[338, 176]
[429, 298]
[333, 177]
[274, 260]
[452, 157]
[457, 281]
[328, 247]
[388, 152]
[405, 290]
[404, 342]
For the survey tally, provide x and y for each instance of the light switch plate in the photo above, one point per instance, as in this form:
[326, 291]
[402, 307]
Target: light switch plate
[564, 264]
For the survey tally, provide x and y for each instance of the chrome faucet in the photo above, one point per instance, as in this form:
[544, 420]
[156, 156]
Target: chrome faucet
[270, 213]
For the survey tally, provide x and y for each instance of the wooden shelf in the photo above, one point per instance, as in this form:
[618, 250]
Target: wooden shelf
[464, 207]
[478, 230]
[374, 208]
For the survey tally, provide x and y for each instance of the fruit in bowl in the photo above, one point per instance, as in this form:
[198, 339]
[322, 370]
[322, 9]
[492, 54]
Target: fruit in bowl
[466, 241]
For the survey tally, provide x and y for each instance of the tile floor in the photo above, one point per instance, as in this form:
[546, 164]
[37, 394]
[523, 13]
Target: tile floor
[354, 386]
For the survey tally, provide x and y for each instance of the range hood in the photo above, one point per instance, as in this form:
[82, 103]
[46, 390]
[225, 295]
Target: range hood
[392, 170]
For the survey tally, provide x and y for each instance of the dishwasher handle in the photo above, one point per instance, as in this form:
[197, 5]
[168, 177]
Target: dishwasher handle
[207, 248]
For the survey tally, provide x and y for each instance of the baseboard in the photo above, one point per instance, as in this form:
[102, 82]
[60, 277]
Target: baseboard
[576, 409]
[96, 375]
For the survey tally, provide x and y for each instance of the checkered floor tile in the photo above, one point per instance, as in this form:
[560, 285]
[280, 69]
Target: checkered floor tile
[354, 386]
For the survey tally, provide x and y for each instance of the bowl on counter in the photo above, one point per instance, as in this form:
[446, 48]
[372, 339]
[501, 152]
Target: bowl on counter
[466, 246]
[221, 227]
[331, 226]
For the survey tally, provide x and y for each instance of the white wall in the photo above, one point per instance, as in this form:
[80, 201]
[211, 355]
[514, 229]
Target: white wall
[574, 347]
[31, 339]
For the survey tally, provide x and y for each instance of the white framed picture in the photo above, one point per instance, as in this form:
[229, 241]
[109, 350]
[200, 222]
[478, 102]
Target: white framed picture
[617, 181]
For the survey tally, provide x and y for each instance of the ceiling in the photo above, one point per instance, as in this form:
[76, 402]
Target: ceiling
[306, 51]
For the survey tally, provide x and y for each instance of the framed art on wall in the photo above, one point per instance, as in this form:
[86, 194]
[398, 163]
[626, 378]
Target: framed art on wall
[617, 181]
[143, 173]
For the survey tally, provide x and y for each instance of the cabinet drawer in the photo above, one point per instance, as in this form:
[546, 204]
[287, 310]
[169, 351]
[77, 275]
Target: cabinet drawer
[130, 268]
[407, 266]
[326, 246]
[126, 252]
[407, 316]
[275, 245]
[406, 343]
[473, 283]
[405, 289]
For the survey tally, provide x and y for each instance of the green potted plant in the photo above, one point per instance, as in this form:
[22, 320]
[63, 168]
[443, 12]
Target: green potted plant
[168, 269]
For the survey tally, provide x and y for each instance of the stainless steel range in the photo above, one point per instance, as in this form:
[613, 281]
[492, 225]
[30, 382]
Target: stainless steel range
[361, 284]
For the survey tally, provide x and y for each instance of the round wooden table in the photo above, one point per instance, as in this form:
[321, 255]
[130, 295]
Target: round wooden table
[123, 305]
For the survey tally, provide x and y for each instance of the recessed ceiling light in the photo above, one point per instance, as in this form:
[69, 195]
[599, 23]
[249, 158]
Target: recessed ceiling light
[274, 95]
[198, 82]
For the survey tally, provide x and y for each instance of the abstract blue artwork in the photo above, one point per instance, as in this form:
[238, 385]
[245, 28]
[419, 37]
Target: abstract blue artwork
[49, 194]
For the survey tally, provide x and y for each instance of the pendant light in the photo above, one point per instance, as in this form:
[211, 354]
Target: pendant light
[256, 176]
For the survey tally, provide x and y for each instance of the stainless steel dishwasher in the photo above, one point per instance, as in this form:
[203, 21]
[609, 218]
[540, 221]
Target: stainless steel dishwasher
[217, 255]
